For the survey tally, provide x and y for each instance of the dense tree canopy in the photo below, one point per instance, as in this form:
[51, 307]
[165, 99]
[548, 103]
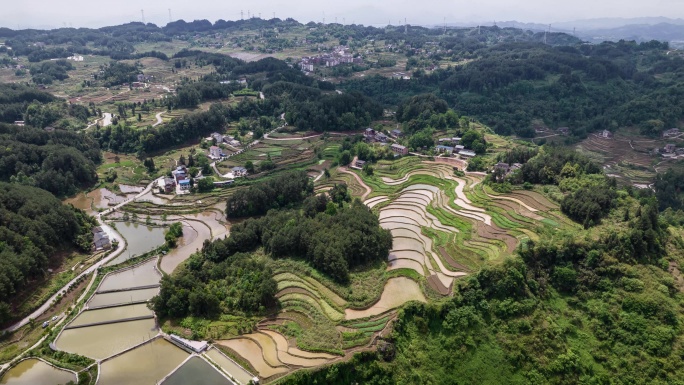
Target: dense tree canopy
[669, 187]
[33, 225]
[588, 88]
[60, 162]
[15, 98]
[224, 277]
[280, 191]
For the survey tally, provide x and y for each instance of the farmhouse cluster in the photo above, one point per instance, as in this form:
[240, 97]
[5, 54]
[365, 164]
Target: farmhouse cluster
[339, 55]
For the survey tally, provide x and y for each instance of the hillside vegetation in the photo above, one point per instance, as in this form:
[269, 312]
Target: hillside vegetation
[33, 226]
[587, 88]
[594, 306]
[61, 162]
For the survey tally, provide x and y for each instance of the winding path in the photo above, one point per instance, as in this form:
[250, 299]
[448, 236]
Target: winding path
[247, 147]
[302, 138]
[361, 182]
[159, 119]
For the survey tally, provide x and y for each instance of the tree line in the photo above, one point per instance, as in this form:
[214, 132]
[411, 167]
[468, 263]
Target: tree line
[281, 191]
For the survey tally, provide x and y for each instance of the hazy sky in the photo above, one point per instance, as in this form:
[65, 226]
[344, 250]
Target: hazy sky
[88, 13]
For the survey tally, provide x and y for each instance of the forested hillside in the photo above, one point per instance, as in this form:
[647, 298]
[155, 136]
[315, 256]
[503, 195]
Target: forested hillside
[60, 162]
[33, 226]
[15, 98]
[586, 88]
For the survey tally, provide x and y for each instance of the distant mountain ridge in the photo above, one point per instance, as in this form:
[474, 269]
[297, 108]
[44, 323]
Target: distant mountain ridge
[611, 29]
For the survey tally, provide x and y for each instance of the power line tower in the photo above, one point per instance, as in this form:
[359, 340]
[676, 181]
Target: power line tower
[274, 15]
[545, 34]
[242, 15]
[445, 25]
[170, 19]
[142, 13]
[405, 27]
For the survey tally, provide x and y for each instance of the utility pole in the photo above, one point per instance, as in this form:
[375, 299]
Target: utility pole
[242, 15]
[170, 19]
[405, 27]
[445, 25]
[143, 15]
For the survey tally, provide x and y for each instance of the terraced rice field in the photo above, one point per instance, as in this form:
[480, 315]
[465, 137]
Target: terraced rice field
[121, 297]
[228, 366]
[194, 234]
[144, 365]
[397, 292]
[142, 275]
[625, 156]
[443, 228]
[112, 313]
[99, 342]
[252, 352]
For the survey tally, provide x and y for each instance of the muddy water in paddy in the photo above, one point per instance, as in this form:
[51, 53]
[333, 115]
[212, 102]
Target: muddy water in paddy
[111, 314]
[96, 199]
[140, 239]
[196, 371]
[211, 218]
[142, 275]
[102, 341]
[397, 292]
[155, 198]
[36, 372]
[121, 297]
[193, 238]
[126, 189]
[145, 365]
[229, 366]
[250, 351]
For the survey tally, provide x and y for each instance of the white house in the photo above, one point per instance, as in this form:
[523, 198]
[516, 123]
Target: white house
[239, 171]
[214, 152]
